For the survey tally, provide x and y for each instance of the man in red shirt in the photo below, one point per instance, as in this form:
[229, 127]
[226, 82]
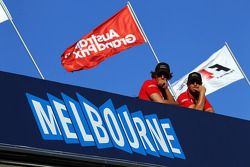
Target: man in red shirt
[156, 89]
[195, 97]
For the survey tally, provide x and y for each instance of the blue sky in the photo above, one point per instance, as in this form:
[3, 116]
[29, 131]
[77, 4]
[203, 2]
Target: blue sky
[182, 33]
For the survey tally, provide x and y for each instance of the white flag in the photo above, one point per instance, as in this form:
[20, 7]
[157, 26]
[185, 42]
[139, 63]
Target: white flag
[3, 15]
[217, 71]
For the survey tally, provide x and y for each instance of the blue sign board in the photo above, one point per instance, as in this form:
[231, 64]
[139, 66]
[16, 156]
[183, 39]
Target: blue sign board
[69, 121]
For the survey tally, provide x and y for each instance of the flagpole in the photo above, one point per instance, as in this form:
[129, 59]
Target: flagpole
[20, 37]
[144, 34]
[237, 63]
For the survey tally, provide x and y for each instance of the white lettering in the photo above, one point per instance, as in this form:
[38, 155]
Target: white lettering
[130, 38]
[64, 120]
[143, 133]
[86, 137]
[113, 34]
[97, 43]
[108, 114]
[97, 124]
[170, 138]
[135, 142]
[44, 119]
[157, 135]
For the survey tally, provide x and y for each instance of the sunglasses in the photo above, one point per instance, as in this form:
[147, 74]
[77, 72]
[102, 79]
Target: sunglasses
[195, 81]
[164, 75]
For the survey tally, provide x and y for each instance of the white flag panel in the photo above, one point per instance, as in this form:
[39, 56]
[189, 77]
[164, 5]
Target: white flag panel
[3, 16]
[218, 71]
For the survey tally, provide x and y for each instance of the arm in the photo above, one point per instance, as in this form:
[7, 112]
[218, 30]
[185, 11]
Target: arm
[170, 99]
[201, 100]
[156, 97]
[208, 107]
[210, 110]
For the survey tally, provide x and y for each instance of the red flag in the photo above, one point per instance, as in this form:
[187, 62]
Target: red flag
[118, 33]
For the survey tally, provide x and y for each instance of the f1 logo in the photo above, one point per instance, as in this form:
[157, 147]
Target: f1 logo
[220, 67]
[216, 67]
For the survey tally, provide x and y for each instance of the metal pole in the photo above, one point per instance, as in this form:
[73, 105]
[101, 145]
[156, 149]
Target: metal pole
[20, 37]
[144, 34]
[237, 63]
[140, 27]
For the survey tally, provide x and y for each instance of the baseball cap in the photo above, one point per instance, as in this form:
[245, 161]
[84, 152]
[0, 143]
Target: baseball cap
[162, 68]
[195, 76]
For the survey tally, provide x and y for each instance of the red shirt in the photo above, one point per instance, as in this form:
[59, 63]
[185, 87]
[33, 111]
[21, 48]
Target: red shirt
[149, 87]
[186, 99]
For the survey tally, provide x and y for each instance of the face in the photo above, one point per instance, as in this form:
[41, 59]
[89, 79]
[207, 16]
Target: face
[162, 81]
[194, 85]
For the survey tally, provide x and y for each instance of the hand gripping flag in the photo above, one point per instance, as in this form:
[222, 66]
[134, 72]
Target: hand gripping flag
[118, 33]
[217, 71]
